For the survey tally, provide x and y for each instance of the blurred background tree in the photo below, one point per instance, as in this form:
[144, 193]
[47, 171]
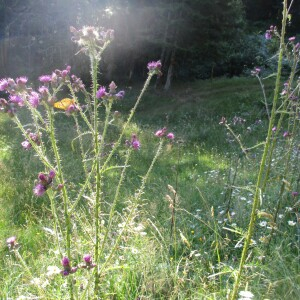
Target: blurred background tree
[193, 38]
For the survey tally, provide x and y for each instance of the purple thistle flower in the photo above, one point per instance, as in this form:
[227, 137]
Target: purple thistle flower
[171, 136]
[67, 267]
[295, 194]
[3, 84]
[16, 99]
[72, 108]
[286, 134]
[120, 95]
[60, 187]
[65, 272]
[65, 261]
[161, 132]
[43, 177]
[268, 35]
[101, 92]
[292, 38]
[45, 78]
[64, 73]
[274, 128]
[35, 138]
[26, 145]
[87, 258]
[52, 174]
[21, 80]
[44, 183]
[39, 190]
[12, 242]
[34, 99]
[136, 145]
[154, 66]
[43, 90]
[77, 83]
[88, 262]
[256, 71]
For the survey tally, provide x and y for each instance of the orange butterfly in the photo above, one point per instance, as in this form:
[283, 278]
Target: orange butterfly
[64, 104]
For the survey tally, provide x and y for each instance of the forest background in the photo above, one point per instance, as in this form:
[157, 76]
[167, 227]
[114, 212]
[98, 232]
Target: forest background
[196, 39]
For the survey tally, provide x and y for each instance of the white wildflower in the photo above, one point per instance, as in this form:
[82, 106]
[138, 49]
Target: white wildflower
[263, 223]
[291, 223]
[246, 295]
[52, 271]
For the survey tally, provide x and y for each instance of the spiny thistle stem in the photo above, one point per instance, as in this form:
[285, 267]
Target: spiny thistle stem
[147, 82]
[65, 197]
[264, 95]
[38, 151]
[137, 197]
[80, 109]
[84, 165]
[284, 175]
[237, 139]
[98, 155]
[263, 159]
[57, 223]
[279, 123]
[94, 68]
[112, 210]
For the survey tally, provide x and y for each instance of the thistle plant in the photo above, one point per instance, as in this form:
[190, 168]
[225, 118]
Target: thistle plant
[91, 112]
[285, 110]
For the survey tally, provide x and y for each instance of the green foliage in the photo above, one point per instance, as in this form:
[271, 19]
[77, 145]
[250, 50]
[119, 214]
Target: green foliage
[208, 36]
[144, 265]
[180, 234]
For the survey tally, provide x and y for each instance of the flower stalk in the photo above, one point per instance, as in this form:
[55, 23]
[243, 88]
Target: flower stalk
[262, 167]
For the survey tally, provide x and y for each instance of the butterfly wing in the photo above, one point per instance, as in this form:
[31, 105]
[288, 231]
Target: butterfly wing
[64, 103]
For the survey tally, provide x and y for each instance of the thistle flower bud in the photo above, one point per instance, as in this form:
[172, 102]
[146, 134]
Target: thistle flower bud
[42, 177]
[52, 174]
[112, 88]
[65, 261]
[11, 242]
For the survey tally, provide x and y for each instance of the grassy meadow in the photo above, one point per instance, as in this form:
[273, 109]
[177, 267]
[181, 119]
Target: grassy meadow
[186, 237]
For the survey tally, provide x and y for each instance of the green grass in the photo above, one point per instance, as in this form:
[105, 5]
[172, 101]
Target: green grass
[210, 175]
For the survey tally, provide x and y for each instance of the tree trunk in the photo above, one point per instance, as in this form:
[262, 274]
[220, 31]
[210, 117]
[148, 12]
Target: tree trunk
[164, 48]
[170, 71]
